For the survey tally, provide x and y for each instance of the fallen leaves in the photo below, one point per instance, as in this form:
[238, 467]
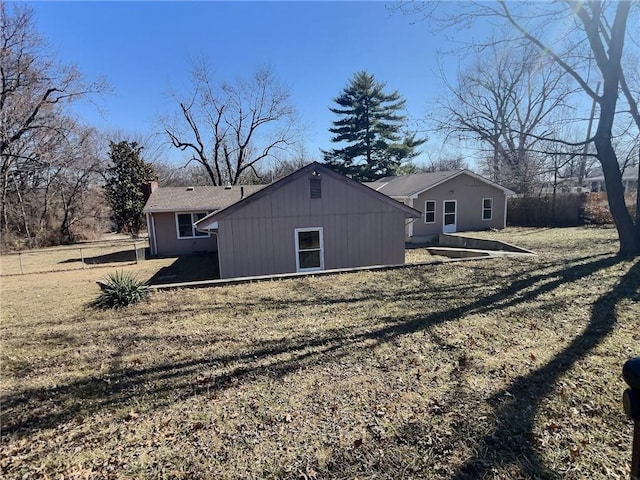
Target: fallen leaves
[354, 376]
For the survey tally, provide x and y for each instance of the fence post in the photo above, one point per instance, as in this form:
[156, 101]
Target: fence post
[20, 260]
[135, 251]
[82, 257]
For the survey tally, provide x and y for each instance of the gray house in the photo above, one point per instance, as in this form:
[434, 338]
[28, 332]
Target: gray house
[453, 201]
[596, 181]
[313, 219]
[172, 211]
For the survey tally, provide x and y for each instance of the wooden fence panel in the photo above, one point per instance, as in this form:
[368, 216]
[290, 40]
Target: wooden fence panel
[564, 211]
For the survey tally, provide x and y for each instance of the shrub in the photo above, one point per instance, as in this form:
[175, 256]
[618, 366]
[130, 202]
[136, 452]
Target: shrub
[596, 209]
[120, 289]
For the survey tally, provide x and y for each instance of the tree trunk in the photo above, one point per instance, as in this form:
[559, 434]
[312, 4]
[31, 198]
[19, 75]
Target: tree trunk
[638, 198]
[629, 238]
[65, 230]
[25, 220]
[611, 70]
[5, 216]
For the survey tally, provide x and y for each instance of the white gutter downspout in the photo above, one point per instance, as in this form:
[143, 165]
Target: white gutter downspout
[218, 254]
[504, 222]
[412, 220]
[151, 228]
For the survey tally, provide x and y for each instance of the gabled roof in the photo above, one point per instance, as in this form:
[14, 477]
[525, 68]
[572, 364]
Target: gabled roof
[307, 169]
[413, 185]
[205, 198]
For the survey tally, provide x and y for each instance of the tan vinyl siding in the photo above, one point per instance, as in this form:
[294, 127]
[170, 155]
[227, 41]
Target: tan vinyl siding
[469, 193]
[168, 243]
[358, 229]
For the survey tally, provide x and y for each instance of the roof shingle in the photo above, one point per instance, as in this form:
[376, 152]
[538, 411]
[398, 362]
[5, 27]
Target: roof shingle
[407, 185]
[410, 185]
[205, 198]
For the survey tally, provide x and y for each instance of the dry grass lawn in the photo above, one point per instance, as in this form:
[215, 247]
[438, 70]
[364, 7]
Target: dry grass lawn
[72, 257]
[500, 369]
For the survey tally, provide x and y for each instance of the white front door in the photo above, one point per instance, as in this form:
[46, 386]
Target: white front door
[449, 216]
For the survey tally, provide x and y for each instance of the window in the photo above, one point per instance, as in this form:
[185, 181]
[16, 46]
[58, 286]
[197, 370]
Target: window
[316, 187]
[184, 224]
[309, 249]
[487, 208]
[430, 211]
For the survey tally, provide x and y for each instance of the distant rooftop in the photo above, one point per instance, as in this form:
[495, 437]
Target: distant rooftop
[630, 173]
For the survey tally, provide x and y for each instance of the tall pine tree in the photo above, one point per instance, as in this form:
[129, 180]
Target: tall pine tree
[124, 182]
[372, 127]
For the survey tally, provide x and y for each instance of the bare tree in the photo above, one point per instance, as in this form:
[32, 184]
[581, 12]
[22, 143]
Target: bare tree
[280, 168]
[444, 164]
[591, 52]
[170, 175]
[34, 91]
[230, 128]
[81, 205]
[507, 104]
[51, 197]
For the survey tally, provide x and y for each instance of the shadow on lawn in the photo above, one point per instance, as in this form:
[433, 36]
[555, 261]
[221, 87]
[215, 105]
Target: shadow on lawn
[516, 405]
[194, 267]
[509, 443]
[114, 257]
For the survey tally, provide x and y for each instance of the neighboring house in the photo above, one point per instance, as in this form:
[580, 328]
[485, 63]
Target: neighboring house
[564, 186]
[596, 182]
[313, 219]
[172, 211]
[452, 201]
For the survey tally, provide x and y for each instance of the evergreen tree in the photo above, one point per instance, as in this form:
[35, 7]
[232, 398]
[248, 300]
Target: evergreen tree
[124, 182]
[373, 130]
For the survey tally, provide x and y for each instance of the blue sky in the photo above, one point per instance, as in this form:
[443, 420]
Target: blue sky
[144, 49]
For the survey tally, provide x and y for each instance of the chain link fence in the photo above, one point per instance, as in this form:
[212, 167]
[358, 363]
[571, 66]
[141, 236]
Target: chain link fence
[76, 257]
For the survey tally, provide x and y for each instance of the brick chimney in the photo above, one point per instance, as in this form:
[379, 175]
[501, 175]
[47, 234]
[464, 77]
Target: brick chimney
[148, 189]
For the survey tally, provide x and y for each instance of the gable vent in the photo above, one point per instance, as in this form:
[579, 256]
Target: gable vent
[315, 186]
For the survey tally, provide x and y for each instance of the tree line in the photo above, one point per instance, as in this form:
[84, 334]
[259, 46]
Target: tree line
[516, 105]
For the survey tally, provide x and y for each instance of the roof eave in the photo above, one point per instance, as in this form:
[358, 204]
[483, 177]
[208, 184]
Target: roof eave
[173, 209]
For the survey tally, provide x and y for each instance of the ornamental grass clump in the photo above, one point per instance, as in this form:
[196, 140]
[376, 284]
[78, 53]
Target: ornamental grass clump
[120, 289]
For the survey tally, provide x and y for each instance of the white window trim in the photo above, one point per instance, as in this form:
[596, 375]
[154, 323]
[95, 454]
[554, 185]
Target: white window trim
[483, 209]
[435, 207]
[309, 229]
[193, 229]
